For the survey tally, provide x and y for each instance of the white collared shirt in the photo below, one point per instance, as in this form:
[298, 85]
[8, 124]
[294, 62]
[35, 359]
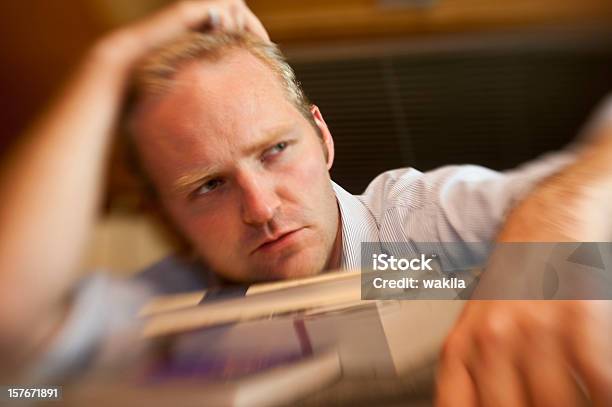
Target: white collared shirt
[452, 204]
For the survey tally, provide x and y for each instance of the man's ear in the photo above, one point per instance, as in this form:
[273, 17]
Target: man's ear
[328, 141]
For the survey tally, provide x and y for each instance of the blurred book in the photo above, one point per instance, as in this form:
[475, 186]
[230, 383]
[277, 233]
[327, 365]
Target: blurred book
[255, 302]
[372, 338]
[280, 343]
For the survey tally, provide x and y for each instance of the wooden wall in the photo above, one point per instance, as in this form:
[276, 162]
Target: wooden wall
[323, 20]
[41, 40]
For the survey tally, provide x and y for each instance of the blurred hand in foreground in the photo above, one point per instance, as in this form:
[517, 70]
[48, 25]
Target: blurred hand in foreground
[542, 353]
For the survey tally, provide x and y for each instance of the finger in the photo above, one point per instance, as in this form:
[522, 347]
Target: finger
[493, 362]
[548, 376]
[239, 18]
[225, 22]
[454, 385]
[254, 26]
[193, 13]
[590, 350]
[170, 22]
[497, 379]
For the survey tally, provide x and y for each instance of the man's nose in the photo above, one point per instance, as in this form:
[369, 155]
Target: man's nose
[259, 199]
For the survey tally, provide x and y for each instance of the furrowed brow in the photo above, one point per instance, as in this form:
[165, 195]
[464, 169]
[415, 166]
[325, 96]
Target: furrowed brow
[189, 179]
[268, 139]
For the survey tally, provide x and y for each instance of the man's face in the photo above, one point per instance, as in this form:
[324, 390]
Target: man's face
[240, 171]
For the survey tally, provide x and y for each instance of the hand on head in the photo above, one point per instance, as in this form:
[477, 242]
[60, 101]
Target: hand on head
[130, 43]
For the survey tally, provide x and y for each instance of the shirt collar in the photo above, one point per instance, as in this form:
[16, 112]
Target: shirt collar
[358, 225]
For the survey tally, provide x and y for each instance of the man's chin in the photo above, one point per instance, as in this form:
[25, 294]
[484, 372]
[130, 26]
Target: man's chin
[290, 273]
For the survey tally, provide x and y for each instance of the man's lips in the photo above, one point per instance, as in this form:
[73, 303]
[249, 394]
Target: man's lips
[277, 240]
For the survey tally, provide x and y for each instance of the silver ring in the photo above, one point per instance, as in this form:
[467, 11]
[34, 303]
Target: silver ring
[214, 18]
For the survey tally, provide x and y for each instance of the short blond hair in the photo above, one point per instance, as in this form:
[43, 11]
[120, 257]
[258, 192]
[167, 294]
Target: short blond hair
[156, 72]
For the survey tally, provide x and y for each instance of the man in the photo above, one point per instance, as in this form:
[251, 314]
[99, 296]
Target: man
[240, 162]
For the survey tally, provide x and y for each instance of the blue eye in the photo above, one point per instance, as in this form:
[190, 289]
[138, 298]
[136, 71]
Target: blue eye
[207, 187]
[280, 147]
[276, 149]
